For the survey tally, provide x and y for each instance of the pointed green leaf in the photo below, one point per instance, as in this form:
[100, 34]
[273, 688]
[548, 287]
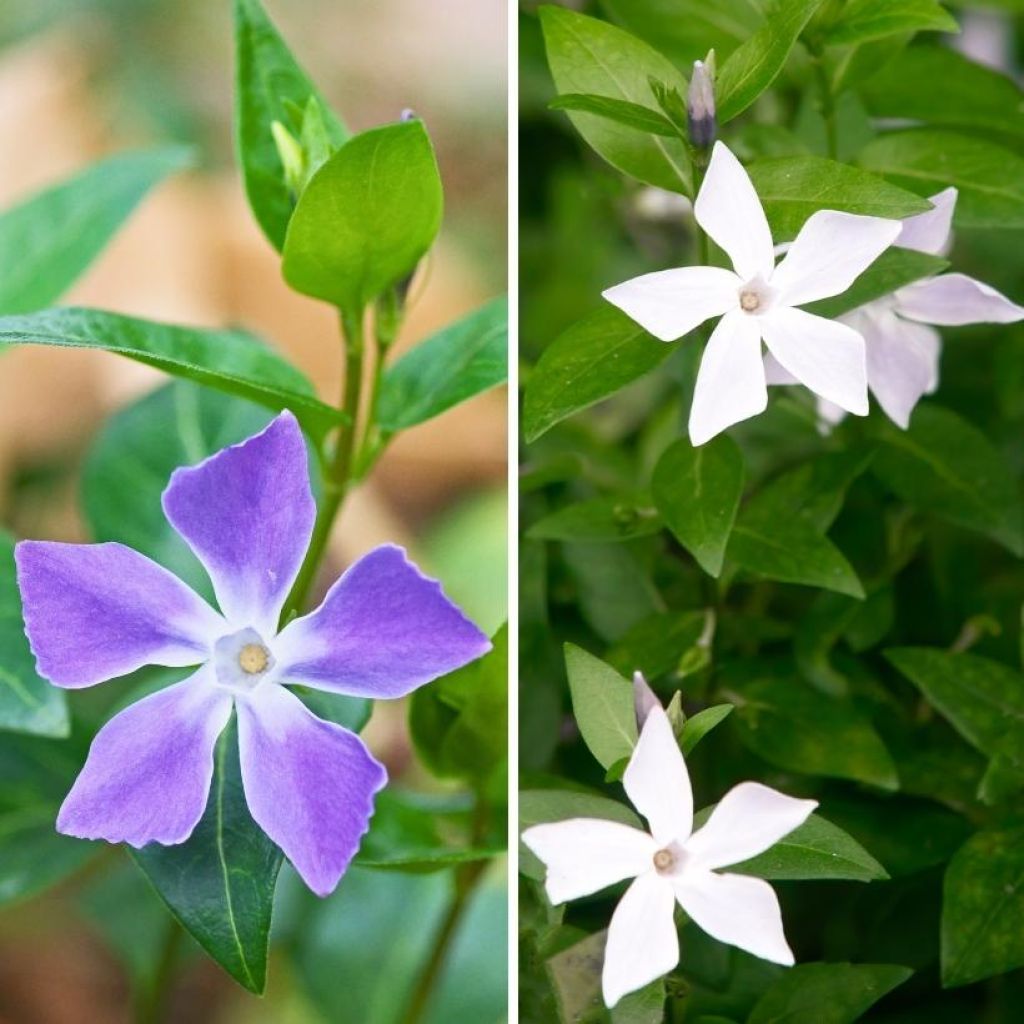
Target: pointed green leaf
[632, 115]
[697, 726]
[862, 20]
[616, 517]
[602, 702]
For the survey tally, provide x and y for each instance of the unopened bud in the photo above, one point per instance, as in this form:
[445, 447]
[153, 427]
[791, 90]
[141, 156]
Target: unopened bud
[407, 115]
[292, 158]
[644, 699]
[700, 106]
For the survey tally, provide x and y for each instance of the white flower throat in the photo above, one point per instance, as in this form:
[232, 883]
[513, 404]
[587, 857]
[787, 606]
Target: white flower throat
[755, 297]
[242, 660]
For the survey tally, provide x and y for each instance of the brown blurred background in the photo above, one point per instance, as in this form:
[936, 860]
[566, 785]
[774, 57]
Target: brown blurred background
[80, 79]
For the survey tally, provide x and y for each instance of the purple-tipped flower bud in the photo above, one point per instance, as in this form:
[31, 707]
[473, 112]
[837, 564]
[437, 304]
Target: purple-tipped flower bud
[408, 114]
[644, 698]
[700, 106]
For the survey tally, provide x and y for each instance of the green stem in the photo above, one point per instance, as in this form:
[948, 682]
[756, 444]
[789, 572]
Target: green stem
[151, 1005]
[338, 471]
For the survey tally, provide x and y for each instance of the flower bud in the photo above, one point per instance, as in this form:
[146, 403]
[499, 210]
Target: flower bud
[292, 158]
[700, 105]
[644, 698]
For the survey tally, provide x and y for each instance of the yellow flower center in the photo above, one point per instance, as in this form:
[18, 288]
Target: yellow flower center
[253, 659]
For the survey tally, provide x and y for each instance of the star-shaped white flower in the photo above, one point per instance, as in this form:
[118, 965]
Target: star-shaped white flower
[758, 300]
[902, 348]
[672, 863]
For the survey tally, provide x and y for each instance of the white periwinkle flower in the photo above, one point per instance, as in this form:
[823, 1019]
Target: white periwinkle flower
[757, 301]
[902, 348]
[672, 863]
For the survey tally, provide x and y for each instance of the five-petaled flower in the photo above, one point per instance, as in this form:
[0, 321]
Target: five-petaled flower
[96, 611]
[671, 863]
[758, 300]
[902, 348]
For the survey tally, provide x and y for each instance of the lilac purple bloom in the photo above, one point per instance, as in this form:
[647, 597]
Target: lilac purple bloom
[96, 611]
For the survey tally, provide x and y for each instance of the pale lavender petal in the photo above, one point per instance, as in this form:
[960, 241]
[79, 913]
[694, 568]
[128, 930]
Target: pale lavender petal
[903, 362]
[383, 630]
[929, 232]
[247, 512]
[309, 783]
[671, 303]
[149, 769]
[96, 611]
[952, 300]
[775, 372]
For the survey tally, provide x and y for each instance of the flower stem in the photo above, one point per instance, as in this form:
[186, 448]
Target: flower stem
[151, 1004]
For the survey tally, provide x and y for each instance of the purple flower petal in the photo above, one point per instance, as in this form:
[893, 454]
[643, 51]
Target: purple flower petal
[149, 769]
[383, 630]
[247, 512]
[95, 611]
[309, 784]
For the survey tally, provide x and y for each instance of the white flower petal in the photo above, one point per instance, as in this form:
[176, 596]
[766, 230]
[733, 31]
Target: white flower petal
[642, 940]
[775, 372]
[671, 303]
[824, 355]
[583, 855]
[644, 698]
[657, 783]
[737, 910]
[829, 414]
[730, 383]
[903, 362]
[748, 820]
[930, 231]
[832, 250]
[728, 209]
[951, 300]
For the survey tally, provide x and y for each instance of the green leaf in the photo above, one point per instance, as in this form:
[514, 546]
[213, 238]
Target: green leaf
[632, 115]
[366, 218]
[590, 56]
[228, 361]
[602, 702]
[796, 727]
[754, 65]
[862, 20]
[816, 850]
[459, 723]
[463, 359]
[792, 188]
[611, 518]
[894, 269]
[826, 993]
[220, 882]
[990, 179]
[697, 726]
[658, 644]
[939, 86]
[28, 703]
[47, 241]
[698, 491]
[538, 806]
[590, 361]
[946, 467]
[138, 449]
[269, 86]
[982, 699]
[983, 908]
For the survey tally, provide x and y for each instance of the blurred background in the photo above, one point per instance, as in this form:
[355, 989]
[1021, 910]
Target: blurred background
[80, 79]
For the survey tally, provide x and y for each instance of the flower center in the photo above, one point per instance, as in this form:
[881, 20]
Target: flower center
[254, 658]
[749, 300]
[755, 296]
[664, 861]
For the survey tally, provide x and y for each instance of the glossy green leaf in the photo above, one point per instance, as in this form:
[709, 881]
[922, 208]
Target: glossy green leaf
[631, 115]
[947, 468]
[990, 179]
[754, 64]
[132, 460]
[602, 702]
[590, 361]
[983, 908]
[658, 644]
[461, 360]
[860, 21]
[827, 993]
[698, 492]
[697, 726]
[228, 361]
[28, 703]
[615, 517]
[982, 699]
[269, 87]
[796, 727]
[220, 882]
[939, 86]
[590, 56]
[792, 188]
[366, 218]
[47, 241]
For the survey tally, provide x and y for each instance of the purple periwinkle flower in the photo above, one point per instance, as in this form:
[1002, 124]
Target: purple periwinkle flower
[96, 611]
